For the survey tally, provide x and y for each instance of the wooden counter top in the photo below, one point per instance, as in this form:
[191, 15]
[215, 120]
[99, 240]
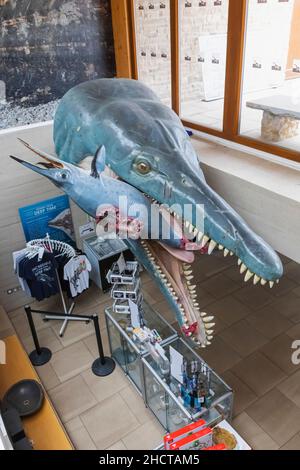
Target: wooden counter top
[44, 428]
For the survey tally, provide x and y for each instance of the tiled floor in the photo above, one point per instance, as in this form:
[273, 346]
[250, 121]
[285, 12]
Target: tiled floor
[252, 349]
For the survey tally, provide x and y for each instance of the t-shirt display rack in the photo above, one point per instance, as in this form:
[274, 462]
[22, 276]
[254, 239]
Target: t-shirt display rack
[102, 366]
[55, 246]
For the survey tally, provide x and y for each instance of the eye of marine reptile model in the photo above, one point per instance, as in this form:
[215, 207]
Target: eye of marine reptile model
[142, 167]
[148, 148]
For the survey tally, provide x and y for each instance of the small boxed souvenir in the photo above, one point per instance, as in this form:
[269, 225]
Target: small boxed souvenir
[173, 437]
[125, 292]
[122, 306]
[141, 335]
[197, 441]
[127, 276]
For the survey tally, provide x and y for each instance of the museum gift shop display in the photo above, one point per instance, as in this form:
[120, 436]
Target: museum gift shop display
[143, 170]
[159, 172]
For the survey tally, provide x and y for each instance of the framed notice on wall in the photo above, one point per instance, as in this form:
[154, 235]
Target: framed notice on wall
[52, 216]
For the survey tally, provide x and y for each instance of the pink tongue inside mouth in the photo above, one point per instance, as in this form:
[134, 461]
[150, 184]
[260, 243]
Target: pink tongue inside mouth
[182, 255]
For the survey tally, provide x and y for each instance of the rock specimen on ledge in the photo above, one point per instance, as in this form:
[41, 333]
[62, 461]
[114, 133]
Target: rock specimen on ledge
[276, 128]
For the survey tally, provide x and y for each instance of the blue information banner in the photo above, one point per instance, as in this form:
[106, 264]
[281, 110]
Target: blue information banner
[52, 216]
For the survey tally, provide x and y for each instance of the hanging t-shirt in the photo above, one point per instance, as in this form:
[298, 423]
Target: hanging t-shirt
[76, 271]
[40, 275]
[62, 260]
[17, 257]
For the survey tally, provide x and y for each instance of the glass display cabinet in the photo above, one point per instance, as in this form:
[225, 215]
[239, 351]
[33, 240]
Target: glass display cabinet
[127, 351]
[163, 392]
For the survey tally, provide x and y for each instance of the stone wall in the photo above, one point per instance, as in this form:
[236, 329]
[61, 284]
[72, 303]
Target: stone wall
[48, 47]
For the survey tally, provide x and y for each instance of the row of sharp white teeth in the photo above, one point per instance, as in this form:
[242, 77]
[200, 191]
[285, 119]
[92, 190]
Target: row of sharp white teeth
[256, 278]
[163, 277]
[204, 239]
[207, 320]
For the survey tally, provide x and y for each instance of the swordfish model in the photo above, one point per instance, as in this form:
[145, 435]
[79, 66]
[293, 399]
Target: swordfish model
[148, 148]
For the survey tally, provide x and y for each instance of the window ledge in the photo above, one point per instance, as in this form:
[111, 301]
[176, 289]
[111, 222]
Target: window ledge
[273, 176]
[265, 193]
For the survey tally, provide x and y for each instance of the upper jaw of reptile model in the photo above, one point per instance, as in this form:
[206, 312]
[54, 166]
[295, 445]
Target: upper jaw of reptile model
[221, 228]
[211, 221]
[256, 260]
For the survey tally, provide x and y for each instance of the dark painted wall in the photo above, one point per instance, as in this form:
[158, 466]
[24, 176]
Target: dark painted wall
[48, 46]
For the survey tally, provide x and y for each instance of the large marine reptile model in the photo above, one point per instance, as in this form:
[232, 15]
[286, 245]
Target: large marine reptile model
[148, 148]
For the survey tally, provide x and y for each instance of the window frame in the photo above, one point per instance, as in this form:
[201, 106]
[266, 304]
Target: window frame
[126, 66]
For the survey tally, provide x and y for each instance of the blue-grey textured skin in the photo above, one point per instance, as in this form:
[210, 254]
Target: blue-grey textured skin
[130, 121]
[123, 115]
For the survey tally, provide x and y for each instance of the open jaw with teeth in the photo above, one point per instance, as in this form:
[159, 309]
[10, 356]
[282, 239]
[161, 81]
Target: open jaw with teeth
[173, 270]
[208, 245]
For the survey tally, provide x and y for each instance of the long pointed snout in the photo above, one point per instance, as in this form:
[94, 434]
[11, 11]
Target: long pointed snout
[221, 227]
[42, 171]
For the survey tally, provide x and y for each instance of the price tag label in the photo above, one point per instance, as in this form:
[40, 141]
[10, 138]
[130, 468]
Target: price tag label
[121, 264]
[176, 360]
[86, 229]
[134, 314]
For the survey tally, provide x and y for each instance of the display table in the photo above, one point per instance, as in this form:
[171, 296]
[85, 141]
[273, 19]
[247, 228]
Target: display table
[159, 389]
[44, 428]
[127, 352]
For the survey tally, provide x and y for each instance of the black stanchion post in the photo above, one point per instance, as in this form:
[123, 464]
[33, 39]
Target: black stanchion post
[39, 356]
[102, 366]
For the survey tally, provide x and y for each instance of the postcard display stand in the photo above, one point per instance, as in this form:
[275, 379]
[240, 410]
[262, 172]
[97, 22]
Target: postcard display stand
[155, 376]
[125, 346]
[101, 255]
